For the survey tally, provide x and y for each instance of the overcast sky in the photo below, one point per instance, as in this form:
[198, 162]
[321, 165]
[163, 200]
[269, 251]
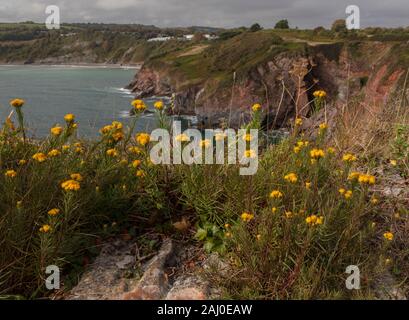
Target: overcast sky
[220, 13]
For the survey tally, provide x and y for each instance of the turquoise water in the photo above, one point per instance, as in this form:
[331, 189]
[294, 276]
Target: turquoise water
[93, 94]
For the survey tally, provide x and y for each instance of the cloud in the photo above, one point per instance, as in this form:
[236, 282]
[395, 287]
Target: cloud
[222, 13]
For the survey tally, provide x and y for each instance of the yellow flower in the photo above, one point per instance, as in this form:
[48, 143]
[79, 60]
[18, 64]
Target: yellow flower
[45, 228]
[298, 122]
[276, 194]
[349, 158]
[53, 212]
[247, 217]
[366, 179]
[65, 147]
[314, 220]
[117, 125]
[227, 225]
[353, 176]
[220, 136]
[256, 107]
[139, 105]
[17, 103]
[182, 138]
[56, 131]
[374, 200]
[10, 174]
[112, 152]
[342, 191]
[308, 185]
[69, 118]
[273, 209]
[388, 236]
[70, 185]
[54, 153]
[40, 157]
[159, 105]
[317, 154]
[320, 94]
[228, 234]
[117, 136]
[134, 150]
[250, 154]
[79, 150]
[291, 177]
[323, 126]
[140, 173]
[288, 214]
[76, 176]
[393, 163]
[348, 194]
[258, 237]
[143, 138]
[22, 162]
[247, 137]
[297, 149]
[136, 163]
[205, 143]
[303, 143]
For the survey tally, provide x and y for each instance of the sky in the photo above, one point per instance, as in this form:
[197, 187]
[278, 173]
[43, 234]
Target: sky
[215, 13]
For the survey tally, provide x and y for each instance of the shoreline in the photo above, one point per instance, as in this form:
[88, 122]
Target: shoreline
[75, 65]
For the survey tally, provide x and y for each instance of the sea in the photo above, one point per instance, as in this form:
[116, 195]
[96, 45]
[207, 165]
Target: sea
[94, 94]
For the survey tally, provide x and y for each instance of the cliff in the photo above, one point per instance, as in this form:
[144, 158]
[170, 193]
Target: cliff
[219, 82]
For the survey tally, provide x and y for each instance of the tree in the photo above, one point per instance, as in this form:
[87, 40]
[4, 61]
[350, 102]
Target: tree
[339, 26]
[255, 27]
[282, 24]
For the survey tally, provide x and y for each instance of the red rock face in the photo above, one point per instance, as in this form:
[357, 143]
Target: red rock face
[283, 86]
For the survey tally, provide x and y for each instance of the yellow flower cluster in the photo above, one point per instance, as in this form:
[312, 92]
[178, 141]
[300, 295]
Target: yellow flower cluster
[256, 107]
[317, 154]
[388, 236]
[54, 153]
[349, 157]
[69, 118]
[298, 122]
[300, 145]
[70, 185]
[346, 193]
[76, 176]
[53, 212]
[182, 137]
[319, 94]
[112, 153]
[291, 177]
[314, 220]
[323, 126]
[205, 143]
[56, 131]
[250, 154]
[136, 163]
[17, 103]
[113, 132]
[40, 157]
[139, 105]
[247, 217]
[362, 178]
[134, 150]
[45, 228]
[143, 138]
[276, 194]
[10, 174]
[159, 105]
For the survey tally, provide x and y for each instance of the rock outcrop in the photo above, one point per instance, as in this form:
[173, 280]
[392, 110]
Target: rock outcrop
[284, 84]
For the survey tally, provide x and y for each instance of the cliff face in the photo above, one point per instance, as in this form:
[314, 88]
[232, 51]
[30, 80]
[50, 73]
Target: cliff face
[283, 82]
